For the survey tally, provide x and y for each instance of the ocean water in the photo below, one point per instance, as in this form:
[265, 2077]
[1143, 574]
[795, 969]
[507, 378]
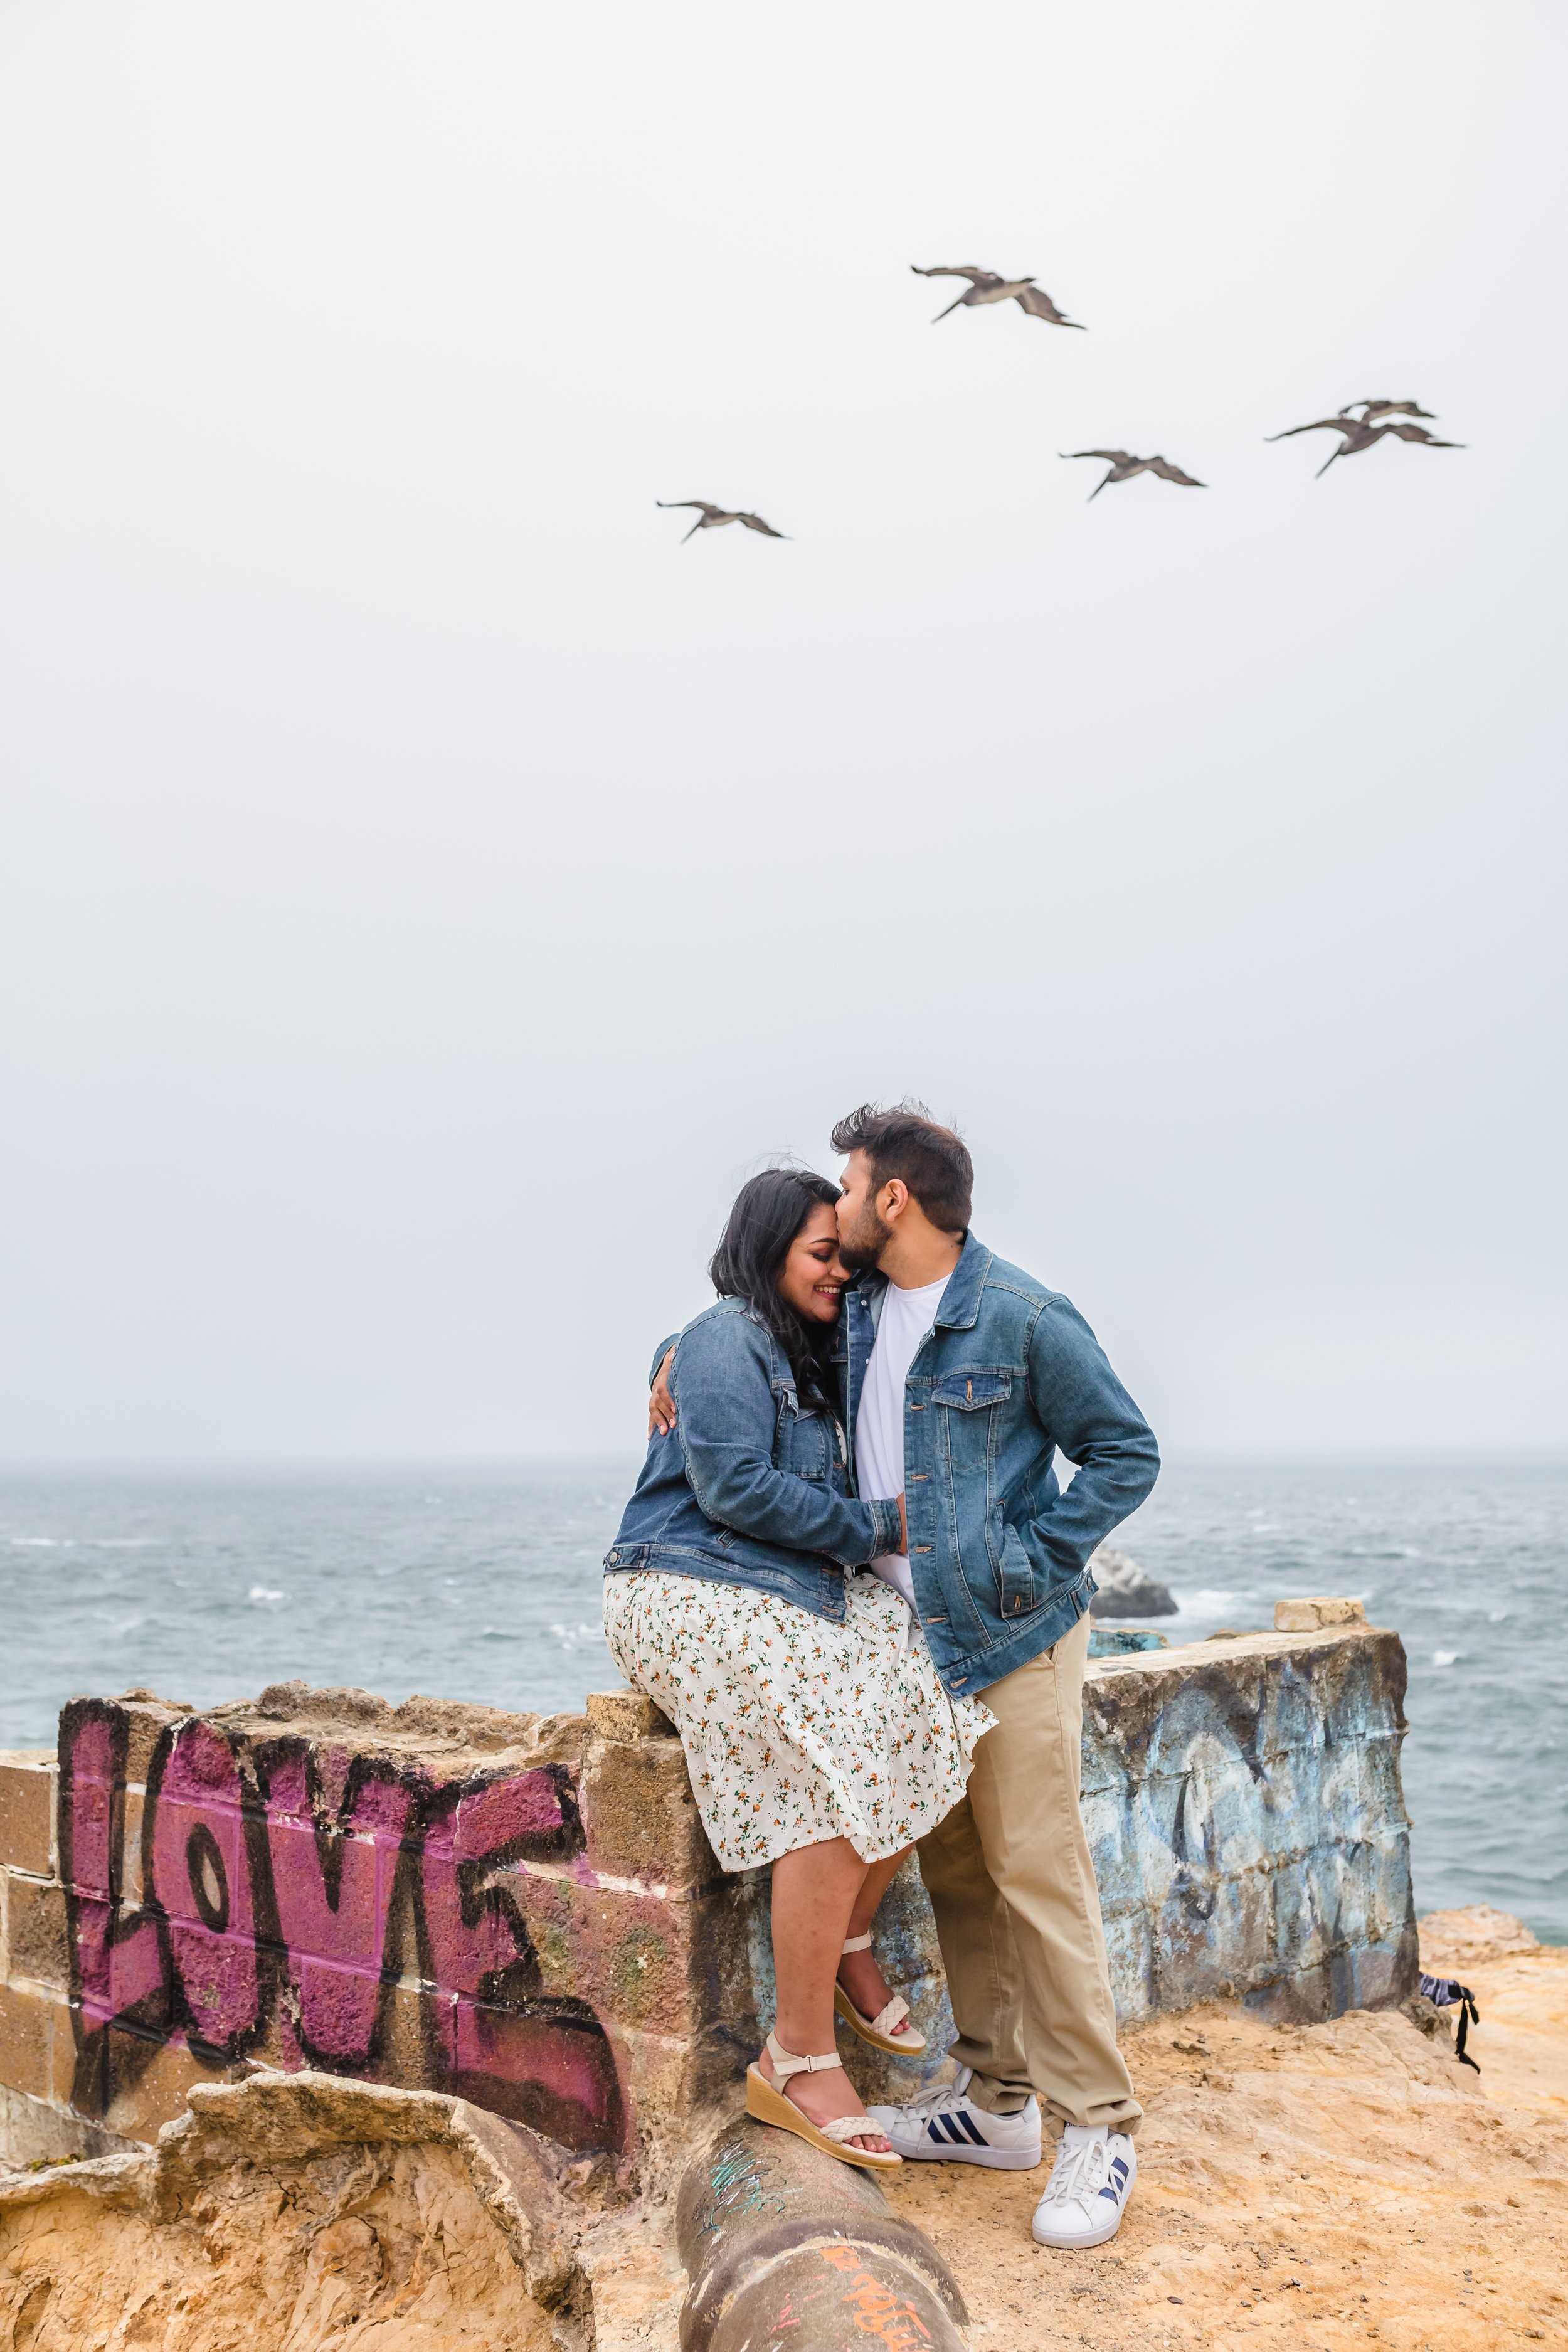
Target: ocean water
[485, 1586]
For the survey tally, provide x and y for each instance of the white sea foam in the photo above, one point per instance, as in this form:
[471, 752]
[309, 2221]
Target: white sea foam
[1445, 1657]
[578, 1637]
[265, 1592]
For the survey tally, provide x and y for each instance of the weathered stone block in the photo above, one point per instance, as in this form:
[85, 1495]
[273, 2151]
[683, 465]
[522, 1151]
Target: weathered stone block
[125, 1846]
[1307, 1616]
[626, 1714]
[36, 1942]
[26, 2037]
[651, 1958]
[1245, 1801]
[639, 1816]
[27, 1809]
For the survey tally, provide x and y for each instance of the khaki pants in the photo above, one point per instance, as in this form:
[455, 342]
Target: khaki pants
[1017, 1910]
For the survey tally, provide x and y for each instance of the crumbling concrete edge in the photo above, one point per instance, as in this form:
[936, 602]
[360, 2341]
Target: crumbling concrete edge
[274, 2117]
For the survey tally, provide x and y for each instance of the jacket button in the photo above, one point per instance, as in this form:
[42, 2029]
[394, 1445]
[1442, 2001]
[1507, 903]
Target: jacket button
[615, 1560]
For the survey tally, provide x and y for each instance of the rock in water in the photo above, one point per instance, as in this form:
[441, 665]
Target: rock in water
[1125, 1591]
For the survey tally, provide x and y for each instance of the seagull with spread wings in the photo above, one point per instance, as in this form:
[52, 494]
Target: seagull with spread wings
[1377, 420]
[1371, 410]
[1123, 467]
[714, 517]
[984, 286]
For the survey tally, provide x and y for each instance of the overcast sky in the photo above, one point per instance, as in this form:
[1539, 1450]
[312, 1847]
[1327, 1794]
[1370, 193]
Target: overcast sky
[428, 887]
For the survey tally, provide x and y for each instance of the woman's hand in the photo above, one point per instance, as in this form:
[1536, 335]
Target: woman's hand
[660, 1404]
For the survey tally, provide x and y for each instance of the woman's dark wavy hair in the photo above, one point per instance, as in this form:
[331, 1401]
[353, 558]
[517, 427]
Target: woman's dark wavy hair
[769, 1211]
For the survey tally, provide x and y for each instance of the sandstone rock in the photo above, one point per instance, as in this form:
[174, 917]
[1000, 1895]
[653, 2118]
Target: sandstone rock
[286, 2212]
[1127, 1591]
[1452, 1942]
[1311, 1616]
[626, 1714]
[1426, 2017]
[469, 1726]
[300, 1703]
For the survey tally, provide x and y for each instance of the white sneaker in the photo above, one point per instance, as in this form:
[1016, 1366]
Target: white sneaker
[1088, 2190]
[945, 2126]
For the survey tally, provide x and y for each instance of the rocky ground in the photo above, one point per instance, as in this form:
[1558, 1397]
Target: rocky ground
[1326, 2186]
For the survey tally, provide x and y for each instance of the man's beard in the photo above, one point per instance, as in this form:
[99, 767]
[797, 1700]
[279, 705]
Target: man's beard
[862, 1249]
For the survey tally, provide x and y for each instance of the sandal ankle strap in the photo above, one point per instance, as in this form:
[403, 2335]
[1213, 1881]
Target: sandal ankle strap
[786, 2064]
[856, 1944]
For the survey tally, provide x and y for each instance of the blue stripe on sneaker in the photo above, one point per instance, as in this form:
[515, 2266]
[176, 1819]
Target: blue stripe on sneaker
[970, 2126]
[1119, 2168]
[954, 2134]
[931, 2131]
[1114, 2195]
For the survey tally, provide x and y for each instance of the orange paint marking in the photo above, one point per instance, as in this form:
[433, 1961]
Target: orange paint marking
[878, 2311]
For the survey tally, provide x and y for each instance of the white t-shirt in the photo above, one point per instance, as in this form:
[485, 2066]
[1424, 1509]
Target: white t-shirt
[906, 1315]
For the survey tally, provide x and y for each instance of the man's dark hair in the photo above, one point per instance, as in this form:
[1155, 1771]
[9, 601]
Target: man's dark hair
[907, 1142]
[769, 1211]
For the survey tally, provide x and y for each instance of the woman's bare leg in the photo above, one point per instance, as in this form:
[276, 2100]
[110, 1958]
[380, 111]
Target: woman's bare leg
[814, 1890]
[858, 1972]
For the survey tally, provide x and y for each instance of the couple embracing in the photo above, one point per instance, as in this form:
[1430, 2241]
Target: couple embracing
[851, 1578]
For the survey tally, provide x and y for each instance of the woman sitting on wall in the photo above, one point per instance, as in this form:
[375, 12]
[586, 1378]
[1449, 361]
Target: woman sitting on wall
[817, 1735]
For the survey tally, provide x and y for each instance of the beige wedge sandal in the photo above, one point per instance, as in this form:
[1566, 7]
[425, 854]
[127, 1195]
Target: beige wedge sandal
[878, 2029]
[768, 2103]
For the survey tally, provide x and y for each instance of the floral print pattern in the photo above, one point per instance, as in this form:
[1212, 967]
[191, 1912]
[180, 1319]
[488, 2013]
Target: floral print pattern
[796, 1728]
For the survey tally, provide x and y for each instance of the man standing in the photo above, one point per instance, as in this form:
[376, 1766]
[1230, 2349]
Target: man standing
[962, 1378]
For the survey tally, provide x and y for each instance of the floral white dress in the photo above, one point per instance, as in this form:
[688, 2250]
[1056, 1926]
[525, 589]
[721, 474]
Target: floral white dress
[796, 1728]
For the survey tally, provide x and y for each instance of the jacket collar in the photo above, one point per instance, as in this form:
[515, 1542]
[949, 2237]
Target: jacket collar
[961, 1300]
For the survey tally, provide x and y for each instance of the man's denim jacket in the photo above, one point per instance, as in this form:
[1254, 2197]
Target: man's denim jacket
[998, 1550]
[751, 1487]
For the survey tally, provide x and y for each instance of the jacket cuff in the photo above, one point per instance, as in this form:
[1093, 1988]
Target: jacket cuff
[884, 1527]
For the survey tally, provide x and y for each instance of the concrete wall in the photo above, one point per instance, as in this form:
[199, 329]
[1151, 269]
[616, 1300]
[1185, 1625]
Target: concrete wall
[1244, 1806]
[524, 1912]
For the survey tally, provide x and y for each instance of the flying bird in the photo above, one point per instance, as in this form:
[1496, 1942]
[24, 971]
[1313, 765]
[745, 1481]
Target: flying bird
[1371, 410]
[714, 517]
[1123, 467]
[984, 286]
[1361, 432]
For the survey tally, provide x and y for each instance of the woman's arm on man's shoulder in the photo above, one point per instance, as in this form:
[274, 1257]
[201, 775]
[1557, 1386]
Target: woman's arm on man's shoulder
[660, 1403]
[721, 1382]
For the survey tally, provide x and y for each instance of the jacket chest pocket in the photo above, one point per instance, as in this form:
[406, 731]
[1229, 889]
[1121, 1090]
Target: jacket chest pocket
[969, 1400]
[803, 1441]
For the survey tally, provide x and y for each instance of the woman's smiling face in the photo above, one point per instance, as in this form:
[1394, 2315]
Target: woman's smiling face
[814, 1274]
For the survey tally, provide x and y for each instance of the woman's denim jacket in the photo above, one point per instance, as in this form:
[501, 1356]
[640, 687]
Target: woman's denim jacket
[751, 1486]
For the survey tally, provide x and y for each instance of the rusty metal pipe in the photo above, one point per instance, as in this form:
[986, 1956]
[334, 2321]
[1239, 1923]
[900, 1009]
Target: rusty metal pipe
[781, 2242]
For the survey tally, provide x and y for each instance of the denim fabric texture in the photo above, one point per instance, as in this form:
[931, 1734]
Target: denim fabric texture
[999, 1549]
[751, 1486]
